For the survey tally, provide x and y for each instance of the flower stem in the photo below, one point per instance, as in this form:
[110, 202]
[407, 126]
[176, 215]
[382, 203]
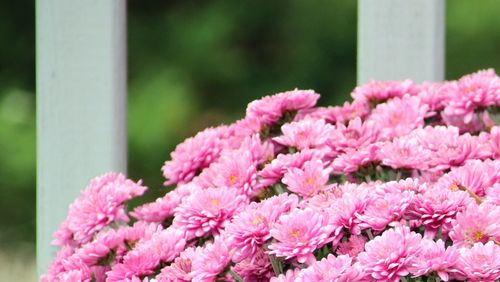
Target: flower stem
[439, 233]
[278, 189]
[235, 276]
[472, 194]
[398, 175]
[369, 233]
[277, 267]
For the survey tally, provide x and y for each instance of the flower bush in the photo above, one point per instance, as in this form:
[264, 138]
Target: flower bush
[402, 183]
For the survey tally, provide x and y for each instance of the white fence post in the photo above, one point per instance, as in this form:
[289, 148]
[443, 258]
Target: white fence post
[400, 39]
[81, 104]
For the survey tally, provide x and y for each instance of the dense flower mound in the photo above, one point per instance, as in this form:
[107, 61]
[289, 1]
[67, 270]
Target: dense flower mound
[402, 183]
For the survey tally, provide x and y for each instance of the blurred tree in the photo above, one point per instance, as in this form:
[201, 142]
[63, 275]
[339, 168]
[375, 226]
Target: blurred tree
[17, 122]
[472, 37]
[213, 58]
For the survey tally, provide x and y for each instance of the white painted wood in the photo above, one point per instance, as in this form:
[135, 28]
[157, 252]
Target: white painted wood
[400, 39]
[81, 104]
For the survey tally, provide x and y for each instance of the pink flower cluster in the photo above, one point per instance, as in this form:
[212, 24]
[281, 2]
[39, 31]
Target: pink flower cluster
[402, 183]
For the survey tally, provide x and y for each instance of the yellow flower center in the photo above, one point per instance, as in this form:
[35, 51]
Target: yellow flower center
[478, 236]
[454, 187]
[310, 180]
[295, 233]
[232, 178]
[215, 202]
[256, 220]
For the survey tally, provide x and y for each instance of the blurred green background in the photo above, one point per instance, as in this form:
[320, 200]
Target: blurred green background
[194, 64]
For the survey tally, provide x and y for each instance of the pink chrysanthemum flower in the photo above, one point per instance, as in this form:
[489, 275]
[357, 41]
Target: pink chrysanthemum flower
[99, 272]
[180, 269]
[129, 236]
[447, 147]
[246, 126]
[475, 91]
[308, 180]
[404, 153]
[353, 136]
[493, 195]
[289, 276]
[194, 154]
[100, 204]
[163, 246]
[329, 114]
[376, 91]
[213, 259]
[82, 274]
[299, 233]
[305, 134]
[480, 263]
[138, 279]
[353, 160]
[90, 253]
[332, 268]
[274, 171]
[269, 109]
[207, 211]
[113, 242]
[437, 94]
[430, 176]
[257, 268]
[261, 151]
[347, 209]
[435, 258]
[74, 264]
[337, 114]
[57, 265]
[494, 141]
[389, 256]
[385, 210]
[323, 200]
[353, 246]
[136, 265]
[354, 109]
[473, 125]
[476, 224]
[475, 176]
[249, 229]
[278, 205]
[437, 208]
[399, 116]
[236, 169]
[414, 185]
[162, 208]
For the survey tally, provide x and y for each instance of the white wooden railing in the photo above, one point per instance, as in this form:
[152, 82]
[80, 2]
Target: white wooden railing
[81, 86]
[81, 104]
[399, 39]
